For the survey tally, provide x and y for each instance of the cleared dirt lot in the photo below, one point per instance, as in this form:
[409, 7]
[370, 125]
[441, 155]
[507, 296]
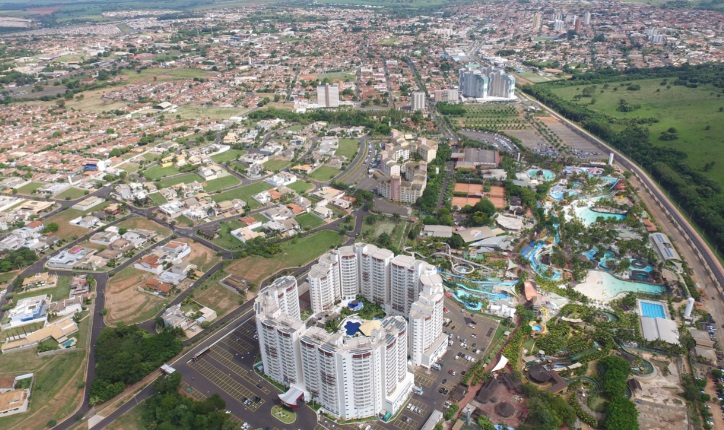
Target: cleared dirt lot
[125, 303]
[203, 257]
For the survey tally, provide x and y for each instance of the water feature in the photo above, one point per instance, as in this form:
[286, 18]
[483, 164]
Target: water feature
[460, 296]
[536, 327]
[533, 252]
[547, 175]
[615, 286]
[68, 343]
[589, 216]
[652, 309]
[352, 327]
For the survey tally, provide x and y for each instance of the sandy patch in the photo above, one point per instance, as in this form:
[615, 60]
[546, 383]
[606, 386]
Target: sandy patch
[203, 257]
[124, 302]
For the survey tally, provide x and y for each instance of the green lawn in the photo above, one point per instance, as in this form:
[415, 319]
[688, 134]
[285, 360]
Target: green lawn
[689, 110]
[165, 74]
[277, 164]
[28, 189]
[221, 183]
[300, 186]
[231, 154]
[309, 221]
[243, 193]
[348, 148]
[71, 194]
[183, 220]
[296, 127]
[181, 179]
[157, 198]
[131, 420]
[336, 77]
[61, 291]
[158, 172]
[324, 173]
[225, 239]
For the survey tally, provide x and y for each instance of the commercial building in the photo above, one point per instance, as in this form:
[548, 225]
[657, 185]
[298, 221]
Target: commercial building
[417, 101]
[358, 368]
[328, 96]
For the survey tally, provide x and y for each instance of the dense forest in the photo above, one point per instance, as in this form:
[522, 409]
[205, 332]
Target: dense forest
[125, 354]
[688, 187]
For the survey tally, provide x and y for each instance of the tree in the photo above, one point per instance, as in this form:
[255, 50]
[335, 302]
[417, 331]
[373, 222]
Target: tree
[457, 242]
[50, 228]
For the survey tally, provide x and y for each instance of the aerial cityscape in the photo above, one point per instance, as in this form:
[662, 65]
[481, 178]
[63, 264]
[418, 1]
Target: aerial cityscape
[358, 214]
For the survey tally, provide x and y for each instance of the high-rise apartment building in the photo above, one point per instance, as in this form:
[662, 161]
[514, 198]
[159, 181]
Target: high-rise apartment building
[446, 96]
[328, 96]
[363, 372]
[486, 82]
[587, 18]
[558, 25]
[417, 101]
[537, 20]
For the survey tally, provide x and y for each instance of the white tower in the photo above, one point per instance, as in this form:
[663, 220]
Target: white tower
[689, 307]
[610, 159]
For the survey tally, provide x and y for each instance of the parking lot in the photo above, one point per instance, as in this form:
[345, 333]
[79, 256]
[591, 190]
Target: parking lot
[226, 368]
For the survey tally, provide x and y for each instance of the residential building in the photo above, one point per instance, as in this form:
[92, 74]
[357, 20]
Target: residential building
[328, 96]
[28, 310]
[447, 96]
[417, 101]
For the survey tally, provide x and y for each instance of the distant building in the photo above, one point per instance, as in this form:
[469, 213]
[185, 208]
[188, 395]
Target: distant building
[328, 96]
[417, 101]
[486, 83]
[446, 96]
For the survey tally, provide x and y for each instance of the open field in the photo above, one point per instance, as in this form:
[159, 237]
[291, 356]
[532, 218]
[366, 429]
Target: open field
[489, 116]
[210, 112]
[28, 189]
[221, 183]
[536, 78]
[243, 193]
[165, 74]
[138, 222]
[231, 154]
[158, 172]
[277, 164]
[131, 420]
[689, 110]
[335, 77]
[92, 101]
[129, 167]
[125, 303]
[300, 186]
[295, 253]
[308, 221]
[180, 179]
[57, 385]
[6, 277]
[61, 291]
[225, 239]
[324, 173]
[216, 296]
[157, 198]
[70, 194]
[203, 257]
[66, 230]
[348, 147]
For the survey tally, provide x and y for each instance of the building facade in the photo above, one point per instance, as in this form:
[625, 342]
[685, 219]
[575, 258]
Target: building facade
[486, 83]
[417, 101]
[328, 96]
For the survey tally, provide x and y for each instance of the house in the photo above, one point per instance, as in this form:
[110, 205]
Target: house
[150, 263]
[34, 226]
[113, 209]
[159, 287]
[104, 237]
[138, 236]
[323, 212]
[209, 231]
[281, 179]
[278, 213]
[28, 310]
[68, 258]
[40, 281]
[86, 221]
[246, 233]
[121, 245]
[14, 401]
[176, 273]
[176, 250]
[79, 286]
[88, 203]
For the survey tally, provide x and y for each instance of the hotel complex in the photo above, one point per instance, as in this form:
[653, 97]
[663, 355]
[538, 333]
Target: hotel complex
[359, 368]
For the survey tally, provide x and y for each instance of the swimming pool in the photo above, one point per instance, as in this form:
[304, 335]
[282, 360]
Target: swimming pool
[547, 175]
[588, 216]
[460, 297]
[614, 286]
[652, 309]
[537, 328]
[352, 327]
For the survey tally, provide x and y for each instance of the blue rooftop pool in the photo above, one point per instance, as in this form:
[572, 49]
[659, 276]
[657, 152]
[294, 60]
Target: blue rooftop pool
[652, 310]
[352, 327]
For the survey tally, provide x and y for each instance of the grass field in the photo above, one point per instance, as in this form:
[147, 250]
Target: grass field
[61, 291]
[231, 154]
[165, 74]
[66, 230]
[195, 112]
[138, 222]
[295, 253]
[131, 420]
[324, 173]
[225, 239]
[300, 186]
[28, 189]
[181, 179]
[336, 77]
[348, 147]
[157, 198]
[689, 110]
[536, 78]
[493, 116]
[216, 296]
[221, 183]
[71, 194]
[277, 164]
[308, 221]
[125, 303]
[296, 127]
[158, 172]
[243, 193]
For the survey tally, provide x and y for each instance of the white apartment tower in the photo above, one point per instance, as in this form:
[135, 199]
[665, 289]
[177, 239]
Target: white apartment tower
[427, 341]
[324, 288]
[374, 272]
[446, 96]
[328, 96]
[348, 272]
[587, 18]
[485, 83]
[285, 294]
[417, 101]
